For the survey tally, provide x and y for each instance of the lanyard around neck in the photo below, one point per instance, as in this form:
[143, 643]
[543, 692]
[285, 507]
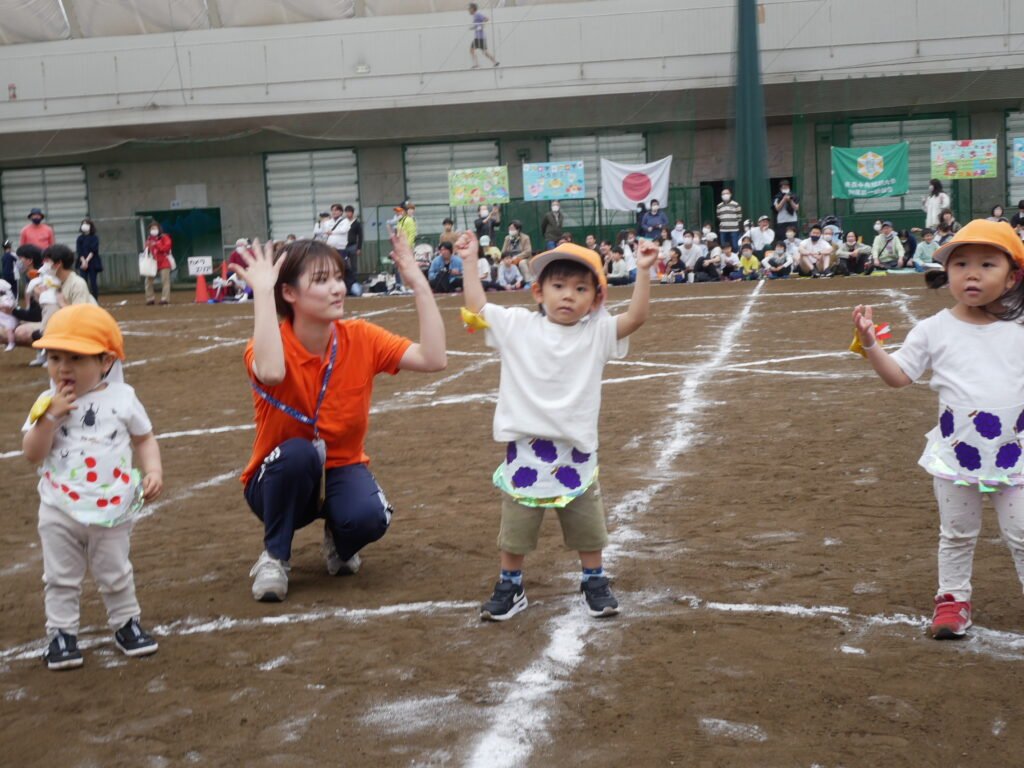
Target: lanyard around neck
[309, 421]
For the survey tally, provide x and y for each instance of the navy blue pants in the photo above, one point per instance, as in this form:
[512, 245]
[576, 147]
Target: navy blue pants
[285, 492]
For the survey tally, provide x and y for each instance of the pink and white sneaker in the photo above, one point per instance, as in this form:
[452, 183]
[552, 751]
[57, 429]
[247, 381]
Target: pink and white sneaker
[951, 619]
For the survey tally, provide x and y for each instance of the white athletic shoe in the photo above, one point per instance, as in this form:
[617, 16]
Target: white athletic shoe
[270, 584]
[335, 565]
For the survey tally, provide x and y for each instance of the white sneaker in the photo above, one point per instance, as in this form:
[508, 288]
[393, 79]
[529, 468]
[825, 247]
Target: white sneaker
[335, 565]
[271, 579]
[38, 361]
[9, 347]
[244, 298]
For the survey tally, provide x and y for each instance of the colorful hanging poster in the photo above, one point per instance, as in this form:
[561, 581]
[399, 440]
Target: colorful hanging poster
[1018, 157]
[473, 186]
[553, 181]
[965, 159]
[870, 171]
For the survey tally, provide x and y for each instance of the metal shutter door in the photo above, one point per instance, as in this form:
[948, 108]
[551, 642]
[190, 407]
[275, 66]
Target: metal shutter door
[920, 134]
[426, 177]
[61, 193]
[1014, 184]
[301, 184]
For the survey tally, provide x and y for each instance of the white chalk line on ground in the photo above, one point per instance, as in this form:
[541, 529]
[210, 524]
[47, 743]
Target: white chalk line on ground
[522, 718]
[90, 637]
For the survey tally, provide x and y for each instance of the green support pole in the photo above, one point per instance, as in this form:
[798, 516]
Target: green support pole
[752, 186]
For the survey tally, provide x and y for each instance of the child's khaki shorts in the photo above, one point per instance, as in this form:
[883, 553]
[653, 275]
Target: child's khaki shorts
[583, 526]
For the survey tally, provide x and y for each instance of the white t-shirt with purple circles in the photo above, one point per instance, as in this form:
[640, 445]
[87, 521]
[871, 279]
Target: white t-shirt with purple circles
[549, 395]
[978, 372]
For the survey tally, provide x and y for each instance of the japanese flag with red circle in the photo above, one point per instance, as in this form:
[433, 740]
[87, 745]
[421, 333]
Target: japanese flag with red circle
[624, 186]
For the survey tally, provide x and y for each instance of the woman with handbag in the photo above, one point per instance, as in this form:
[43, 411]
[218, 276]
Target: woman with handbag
[158, 246]
[89, 262]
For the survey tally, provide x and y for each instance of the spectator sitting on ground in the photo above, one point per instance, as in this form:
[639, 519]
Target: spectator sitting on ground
[729, 263]
[887, 250]
[792, 243]
[489, 252]
[8, 267]
[675, 269]
[445, 274]
[924, 256]
[997, 214]
[909, 243]
[778, 264]
[30, 260]
[618, 273]
[691, 250]
[591, 242]
[708, 267]
[943, 234]
[484, 267]
[750, 265]
[815, 255]
[853, 257]
[946, 217]
[73, 288]
[509, 276]
[1018, 217]
[565, 238]
[678, 232]
[762, 236]
[448, 233]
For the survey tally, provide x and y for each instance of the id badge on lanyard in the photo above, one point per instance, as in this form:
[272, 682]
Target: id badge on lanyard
[310, 421]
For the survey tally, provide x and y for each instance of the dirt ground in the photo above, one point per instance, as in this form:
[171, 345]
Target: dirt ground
[773, 549]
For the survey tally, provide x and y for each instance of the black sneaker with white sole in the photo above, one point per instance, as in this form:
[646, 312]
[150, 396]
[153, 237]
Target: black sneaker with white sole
[133, 640]
[599, 598]
[63, 653]
[508, 600]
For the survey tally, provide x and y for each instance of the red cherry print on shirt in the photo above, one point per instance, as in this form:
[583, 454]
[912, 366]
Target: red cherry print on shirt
[64, 488]
[101, 503]
[91, 477]
[125, 479]
[90, 462]
[117, 473]
[74, 496]
[116, 501]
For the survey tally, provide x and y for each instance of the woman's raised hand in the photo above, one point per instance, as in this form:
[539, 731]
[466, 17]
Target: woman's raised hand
[260, 271]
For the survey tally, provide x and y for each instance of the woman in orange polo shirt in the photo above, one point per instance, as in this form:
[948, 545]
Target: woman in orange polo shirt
[312, 380]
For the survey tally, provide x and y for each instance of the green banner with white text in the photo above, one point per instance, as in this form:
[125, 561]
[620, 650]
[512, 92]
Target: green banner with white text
[870, 171]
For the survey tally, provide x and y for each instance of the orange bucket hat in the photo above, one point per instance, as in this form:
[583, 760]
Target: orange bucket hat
[85, 329]
[997, 234]
[571, 252]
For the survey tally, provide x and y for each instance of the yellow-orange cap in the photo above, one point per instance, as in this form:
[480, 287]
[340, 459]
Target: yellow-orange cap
[571, 252]
[85, 329]
[998, 234]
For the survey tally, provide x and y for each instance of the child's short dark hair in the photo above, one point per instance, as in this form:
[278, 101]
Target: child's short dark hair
[473, 7]
[565, 268]
[299, 258]
[1012, 300]
[59, 253]
[747, 247]
[618, 249]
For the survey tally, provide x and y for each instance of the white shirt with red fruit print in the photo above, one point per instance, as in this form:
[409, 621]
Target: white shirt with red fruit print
[88, 473]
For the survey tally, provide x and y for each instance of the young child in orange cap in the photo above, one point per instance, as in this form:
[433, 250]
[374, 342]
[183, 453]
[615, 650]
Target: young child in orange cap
[549, 399]
[975, 351]
[83, 431]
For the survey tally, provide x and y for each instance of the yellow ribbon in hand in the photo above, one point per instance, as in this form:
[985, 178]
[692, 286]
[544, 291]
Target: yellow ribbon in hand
[40, 407]
[473, 321]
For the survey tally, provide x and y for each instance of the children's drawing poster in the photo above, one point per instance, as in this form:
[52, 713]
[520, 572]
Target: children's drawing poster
[1018, 157]
[553, 181]
[965, 159]
[473, 186]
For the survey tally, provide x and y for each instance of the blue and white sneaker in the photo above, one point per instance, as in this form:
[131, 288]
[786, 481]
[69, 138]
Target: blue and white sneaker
[63, 653]
[507, 600]
[133, 640]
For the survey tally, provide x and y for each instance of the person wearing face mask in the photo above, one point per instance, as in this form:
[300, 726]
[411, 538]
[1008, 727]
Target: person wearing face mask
[87, 248]
[777, 263]
[887, 250]
[730, 215]
[159, 246]
[652, 222]
[853, 257]
[678, 233]
[762, 236]
[487, 221]
[933, 203]
[786, 205]
[815, 255]
[691, 250]
[552, 224]
[36, 232]
[518, 247]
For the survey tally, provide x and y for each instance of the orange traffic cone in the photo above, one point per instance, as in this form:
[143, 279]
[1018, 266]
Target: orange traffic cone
[202, 294]
[224, 271]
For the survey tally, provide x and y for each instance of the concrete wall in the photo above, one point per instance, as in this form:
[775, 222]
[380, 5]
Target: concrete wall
[233, 184]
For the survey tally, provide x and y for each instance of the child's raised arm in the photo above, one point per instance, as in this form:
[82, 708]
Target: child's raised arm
[640, 305]
[884, 366]
[468, 249]
[38, 441]
[260, 274]
[429, 354]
